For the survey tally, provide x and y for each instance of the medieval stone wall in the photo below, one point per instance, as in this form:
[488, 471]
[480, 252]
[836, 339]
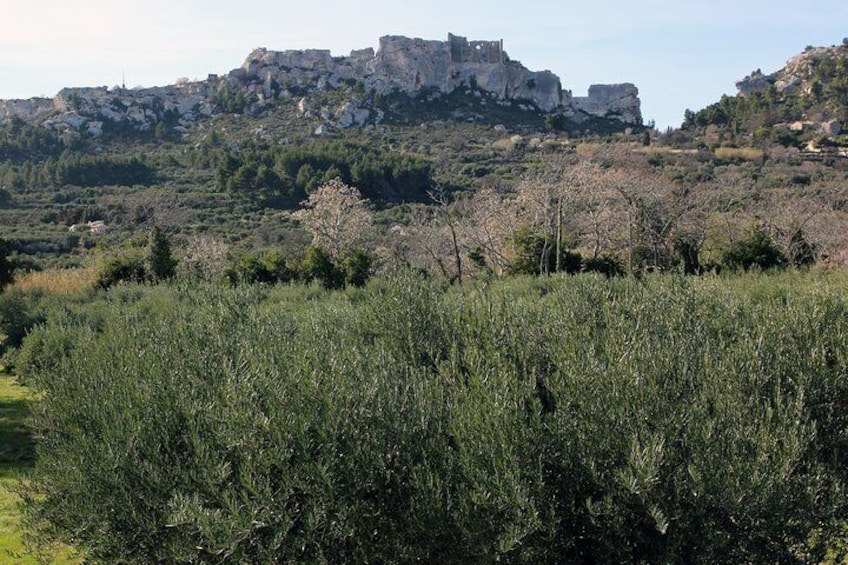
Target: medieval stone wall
[462, 51]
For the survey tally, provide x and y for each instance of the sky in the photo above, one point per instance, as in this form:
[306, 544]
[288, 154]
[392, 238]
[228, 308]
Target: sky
[679, 53]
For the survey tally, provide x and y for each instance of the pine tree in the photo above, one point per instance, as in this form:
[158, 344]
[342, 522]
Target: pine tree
[7, 267]
[160, 263]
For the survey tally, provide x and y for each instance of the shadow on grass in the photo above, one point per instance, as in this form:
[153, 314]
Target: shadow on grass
[17, 450]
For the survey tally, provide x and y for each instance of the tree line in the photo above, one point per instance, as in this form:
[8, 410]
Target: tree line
[291, 172]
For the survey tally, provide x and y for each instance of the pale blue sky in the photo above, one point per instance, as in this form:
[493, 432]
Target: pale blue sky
[681, 54]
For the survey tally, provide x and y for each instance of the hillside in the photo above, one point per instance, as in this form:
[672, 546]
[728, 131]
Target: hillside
[804, 101]
[224, 155]
[461, 176]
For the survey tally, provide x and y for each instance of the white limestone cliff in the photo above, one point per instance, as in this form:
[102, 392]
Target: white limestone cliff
[401, 64]
[616, 101]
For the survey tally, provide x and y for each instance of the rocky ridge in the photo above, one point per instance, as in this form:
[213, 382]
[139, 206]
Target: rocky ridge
[410, 66]
[813, 86]
[798, 76]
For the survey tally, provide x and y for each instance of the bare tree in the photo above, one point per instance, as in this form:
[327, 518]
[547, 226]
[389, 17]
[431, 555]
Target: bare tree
[569, 194]
[448, 212]
[204, 257]
[426, 242]
[490, 222]
[337, 217]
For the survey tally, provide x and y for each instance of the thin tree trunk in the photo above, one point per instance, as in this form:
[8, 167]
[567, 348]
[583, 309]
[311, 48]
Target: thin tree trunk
[559, 236]
[456, 254]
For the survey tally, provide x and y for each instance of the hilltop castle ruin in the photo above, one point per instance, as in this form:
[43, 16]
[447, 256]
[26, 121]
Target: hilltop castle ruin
[401, 64]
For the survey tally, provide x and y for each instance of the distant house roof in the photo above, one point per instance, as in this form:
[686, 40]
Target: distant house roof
[97, 227]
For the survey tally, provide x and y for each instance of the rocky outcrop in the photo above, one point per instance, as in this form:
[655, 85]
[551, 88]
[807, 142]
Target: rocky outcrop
[413, 65]
[755, 82]
[89, 110]
[25, 109]
[616, 101]
[401, 64]
[799, 74]
[809, 86]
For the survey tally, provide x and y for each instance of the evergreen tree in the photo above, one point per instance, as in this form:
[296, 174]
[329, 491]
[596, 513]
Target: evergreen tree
[7, 267]
[160, 263]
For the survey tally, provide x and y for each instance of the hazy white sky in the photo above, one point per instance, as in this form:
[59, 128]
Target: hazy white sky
[681, 54]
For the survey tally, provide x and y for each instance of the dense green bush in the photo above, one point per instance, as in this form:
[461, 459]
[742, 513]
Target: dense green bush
[317, 265]
[756, 250]
[121, 268]
[19, 312]
[535, 253]
[134, 264]
[556, 420]
[270, 268]
[357, 266]
[354, 268]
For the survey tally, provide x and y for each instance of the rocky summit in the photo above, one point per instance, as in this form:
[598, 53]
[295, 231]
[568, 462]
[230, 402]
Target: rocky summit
[401, 65]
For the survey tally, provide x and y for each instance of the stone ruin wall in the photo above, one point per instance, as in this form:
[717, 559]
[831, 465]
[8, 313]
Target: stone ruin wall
[486, 52]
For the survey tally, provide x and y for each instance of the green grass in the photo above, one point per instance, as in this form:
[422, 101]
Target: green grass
[16, 457]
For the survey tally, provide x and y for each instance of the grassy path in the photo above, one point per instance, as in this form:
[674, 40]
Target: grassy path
[16, 456]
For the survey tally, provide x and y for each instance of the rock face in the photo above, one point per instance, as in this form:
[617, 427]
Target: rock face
[412, 66]
[617, 101]
[25, 109]
[417, 65]
[401, 64]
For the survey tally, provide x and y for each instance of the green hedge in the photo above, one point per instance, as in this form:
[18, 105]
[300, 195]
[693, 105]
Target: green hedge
[573, 420]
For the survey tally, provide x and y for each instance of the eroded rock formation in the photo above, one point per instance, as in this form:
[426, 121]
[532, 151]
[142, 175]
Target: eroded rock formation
[401, 64]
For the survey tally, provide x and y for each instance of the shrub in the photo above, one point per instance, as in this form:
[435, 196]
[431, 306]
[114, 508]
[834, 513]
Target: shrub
[43, 352]
[756, 250]
[7, 267]
[800, 252]
[270, 268]
[605, 264]
[318, 265]
[20, 311]
[122, 268]
[356, 266]
[557, 420]
[535, 253]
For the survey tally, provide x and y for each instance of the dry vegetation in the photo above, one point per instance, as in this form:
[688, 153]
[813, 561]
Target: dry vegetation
[57, 281]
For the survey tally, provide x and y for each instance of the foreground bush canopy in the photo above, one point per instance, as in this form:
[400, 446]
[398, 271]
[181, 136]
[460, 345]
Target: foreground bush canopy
[572, 420]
